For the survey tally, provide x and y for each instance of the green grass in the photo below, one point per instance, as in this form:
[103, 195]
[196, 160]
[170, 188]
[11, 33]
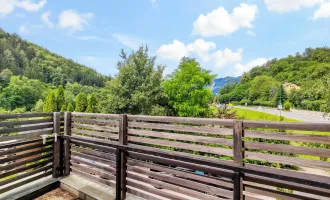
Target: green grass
[256, 115]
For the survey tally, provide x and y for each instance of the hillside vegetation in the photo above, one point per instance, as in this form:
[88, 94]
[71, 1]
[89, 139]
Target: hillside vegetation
[263, 84]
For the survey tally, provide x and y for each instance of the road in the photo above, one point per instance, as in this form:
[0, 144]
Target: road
[302, 115]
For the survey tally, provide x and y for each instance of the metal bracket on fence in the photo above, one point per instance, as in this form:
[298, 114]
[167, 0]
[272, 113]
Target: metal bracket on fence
[44, 137]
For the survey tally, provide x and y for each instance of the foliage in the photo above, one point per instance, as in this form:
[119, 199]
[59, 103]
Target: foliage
[187, 91]
[60, 98]
[70, 108]
[39, 106]
[50, 104]
[92, 104]
[287, 106]
[81, 102]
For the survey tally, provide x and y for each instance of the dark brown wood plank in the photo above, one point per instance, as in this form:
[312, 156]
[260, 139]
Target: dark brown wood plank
[94, 146]
[93, 178]
[25, 128]
[96, 121]
[183, 128]
[189, 120]
[96, 115]
[96, 128]
[181, 145]
[183, 182]
[200, 178]
[288, 136]
[26, 122]
[56, 146]
[94, 153]
[25, 115]
[94, 172]
[94, 158]
[288, 149]
[19, 143]
[93, 140]
[238, 159]
[94, 165]
[142, 194]
[27, 136]
[25, 155]
[123, 154]
[288, 160]
[14, 150]
[182, 137]
[67, 143]
[23, 162]
[96, 133]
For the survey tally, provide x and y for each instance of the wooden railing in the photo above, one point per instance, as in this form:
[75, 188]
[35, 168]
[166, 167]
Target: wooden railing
[193, 158]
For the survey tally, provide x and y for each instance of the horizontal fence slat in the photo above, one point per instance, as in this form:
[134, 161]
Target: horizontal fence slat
[24, 148]
[19, 143]
[25, 115]
[183, 128]
[95, 133]
[183, 137]
[95, 146]
[29, 135]
[96, 121]
[183, 182]
[152, 190]
[20, 163]
[41, 169]
[287, 125]
[94, 165]
[96, 115]
[26, 122]
[181, 145]
[24, 155]
[171, 187]
[189, 120]
[93, 178]
[94, 158]
[87, 170]
[288, 136]
[26, 181]
[142, 194]
[179, 163]
[287, 160]
[184, 174]
[95, 153]
[95, 127]
[26, 128]
[288, 149]
[94, 140]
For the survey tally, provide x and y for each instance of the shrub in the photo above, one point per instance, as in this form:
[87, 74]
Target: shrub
[287, 106]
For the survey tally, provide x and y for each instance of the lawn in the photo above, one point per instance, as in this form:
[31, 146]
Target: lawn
[255, 115]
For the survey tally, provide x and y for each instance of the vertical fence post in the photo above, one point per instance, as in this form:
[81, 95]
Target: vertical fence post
[118, 174]
[67, 145]
[56, 145]
[238, 159]
[123, 154]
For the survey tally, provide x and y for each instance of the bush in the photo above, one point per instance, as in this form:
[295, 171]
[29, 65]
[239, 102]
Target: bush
[243, 101]
[264, 103]
[287, 106]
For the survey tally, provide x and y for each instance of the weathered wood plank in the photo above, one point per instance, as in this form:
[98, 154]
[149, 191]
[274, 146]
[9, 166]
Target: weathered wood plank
[95, 146]
[96, 121]
[96, 128]
[20, 163]
[19, 143]
[25, 148]
[123, 155]
[24, 155]
[26, 128]
[56, 146]
[93, 178]
[93, 140]
[96, 133]
[182, 137]
[96, 115]
[27, 136]
[94, 165]
[26, 122]
[189, 120]
[183, 128]
[95, 159]
[142, 194]
[238, 159]
[67, 143]
[25, 115]
[181, 145]
[92, 171]
[94, 153]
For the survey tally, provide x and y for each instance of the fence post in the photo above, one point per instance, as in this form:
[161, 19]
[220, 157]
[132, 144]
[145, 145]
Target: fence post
[56, 145]
[67, 145]
[238, 159]
[123, 154]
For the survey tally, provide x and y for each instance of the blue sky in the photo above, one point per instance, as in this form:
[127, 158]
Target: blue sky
[227, 37]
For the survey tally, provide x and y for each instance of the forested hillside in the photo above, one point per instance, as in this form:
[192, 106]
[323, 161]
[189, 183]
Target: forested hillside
[263, 85]
[34, 62]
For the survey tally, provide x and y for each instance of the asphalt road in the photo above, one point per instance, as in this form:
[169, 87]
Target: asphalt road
[302, 115]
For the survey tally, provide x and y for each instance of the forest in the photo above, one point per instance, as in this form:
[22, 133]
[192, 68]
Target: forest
[263, 85]
[34, 79]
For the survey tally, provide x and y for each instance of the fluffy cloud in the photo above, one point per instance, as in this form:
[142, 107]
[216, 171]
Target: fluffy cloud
[323, 11]
[73, 21]
[174, 51]
[240, 68]
[45, 19]
[31, 6]
[227, 57]
[282, 6]
[201, 48]
[219, 22]
[7, 6]
[128, 40]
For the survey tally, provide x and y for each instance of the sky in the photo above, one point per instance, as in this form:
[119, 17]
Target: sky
[226, 37]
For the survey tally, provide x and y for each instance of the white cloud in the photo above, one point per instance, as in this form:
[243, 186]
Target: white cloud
[220, 23]
[7, 6]
[73, 21]
[45, 19]
[249, 32]
[31, 6]
[227, 57]
[201, 48]
[23, 29]
[174, 51]
[323, 11]
[240, 68]
[128, 40]
[282, 6]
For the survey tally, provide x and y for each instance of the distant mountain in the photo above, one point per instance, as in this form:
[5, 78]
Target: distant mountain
[221, 82]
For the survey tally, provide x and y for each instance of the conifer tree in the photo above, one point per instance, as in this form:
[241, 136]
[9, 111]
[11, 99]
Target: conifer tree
[63, 108]
[81, 102]
[70, 108]
[60, 99]
[92, 104]
[50, 102]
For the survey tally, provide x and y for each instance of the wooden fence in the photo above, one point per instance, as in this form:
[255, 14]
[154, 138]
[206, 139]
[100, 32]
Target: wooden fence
[192, 158]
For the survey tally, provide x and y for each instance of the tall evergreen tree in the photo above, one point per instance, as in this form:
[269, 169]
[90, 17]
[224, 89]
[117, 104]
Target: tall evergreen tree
[60, 99]
[70, 108]
[50, 102]
[92, 104]
[81, 102]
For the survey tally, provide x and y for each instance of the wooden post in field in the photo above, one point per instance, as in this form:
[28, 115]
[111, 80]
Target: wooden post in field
[123, 159]
[238, 159]
[56, 145]
[67, 145]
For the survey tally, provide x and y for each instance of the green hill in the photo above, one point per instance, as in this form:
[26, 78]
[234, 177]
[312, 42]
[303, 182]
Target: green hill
[34, 62]
[263, 84]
